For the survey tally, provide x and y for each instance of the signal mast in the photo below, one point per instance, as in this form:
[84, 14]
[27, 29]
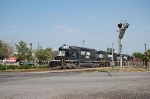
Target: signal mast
[122, 28]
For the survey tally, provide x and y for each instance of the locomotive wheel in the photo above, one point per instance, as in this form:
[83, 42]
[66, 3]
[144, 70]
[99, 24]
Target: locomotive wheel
[78, 65]
[53, 68]
[93, 65]
[58, 68]
[64, 67]
[73, 66]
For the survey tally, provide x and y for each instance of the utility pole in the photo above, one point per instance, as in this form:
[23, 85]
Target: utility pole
[145, 56]
[38, 46]
[112, 58]
[83, 43]
[120, 52]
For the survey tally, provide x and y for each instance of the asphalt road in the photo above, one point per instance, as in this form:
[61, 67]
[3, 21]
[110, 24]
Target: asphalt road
[74, 85]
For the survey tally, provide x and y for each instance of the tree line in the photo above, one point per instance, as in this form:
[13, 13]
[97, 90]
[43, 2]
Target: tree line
[4, 52]
[145, 55]
[26, 53]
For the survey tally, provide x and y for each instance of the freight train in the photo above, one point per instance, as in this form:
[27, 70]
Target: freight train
[76, 57]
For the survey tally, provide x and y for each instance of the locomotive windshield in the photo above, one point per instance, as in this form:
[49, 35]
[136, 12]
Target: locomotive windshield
[64, 48]
[63, 51]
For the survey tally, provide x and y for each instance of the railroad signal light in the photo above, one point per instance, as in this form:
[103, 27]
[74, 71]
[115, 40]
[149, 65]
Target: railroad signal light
[120, 25]
[122, 28]
[126, 25]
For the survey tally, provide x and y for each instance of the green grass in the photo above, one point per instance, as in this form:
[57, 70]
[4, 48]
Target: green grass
[17, 67]
[126, 69]
[105, 69]
[45, 68]
[136, 69]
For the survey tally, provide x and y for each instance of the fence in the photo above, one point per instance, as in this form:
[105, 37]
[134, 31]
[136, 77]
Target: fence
[136, 64]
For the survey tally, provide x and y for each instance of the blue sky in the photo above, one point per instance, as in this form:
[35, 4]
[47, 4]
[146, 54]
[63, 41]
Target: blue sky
[56, 22]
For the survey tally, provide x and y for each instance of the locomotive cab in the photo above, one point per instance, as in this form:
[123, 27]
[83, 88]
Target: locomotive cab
[63, 52]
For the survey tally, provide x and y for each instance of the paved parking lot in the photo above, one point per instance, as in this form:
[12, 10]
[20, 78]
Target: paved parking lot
[75, 85]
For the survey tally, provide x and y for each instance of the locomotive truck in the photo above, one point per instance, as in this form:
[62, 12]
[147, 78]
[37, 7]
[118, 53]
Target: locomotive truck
[76, 57]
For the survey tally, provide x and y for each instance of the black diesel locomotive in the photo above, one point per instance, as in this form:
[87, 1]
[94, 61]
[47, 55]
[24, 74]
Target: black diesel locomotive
[75, 57]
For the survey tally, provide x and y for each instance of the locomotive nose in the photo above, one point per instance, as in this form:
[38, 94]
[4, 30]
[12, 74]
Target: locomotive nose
[100, 56]
[61, 53]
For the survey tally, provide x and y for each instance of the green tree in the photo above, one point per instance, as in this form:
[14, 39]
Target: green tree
[48, 52]
[110, 50]
[145, 56]
[148, 54]
[43, 54]
[39, 53]
[3, 50]
[24, 53]
[29, 53]
[137, 54]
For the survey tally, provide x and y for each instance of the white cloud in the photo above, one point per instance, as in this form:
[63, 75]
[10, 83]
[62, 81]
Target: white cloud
[67, 29]
[12, 29]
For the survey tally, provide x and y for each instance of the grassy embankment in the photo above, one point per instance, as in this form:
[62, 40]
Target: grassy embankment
[26, 68]
[126, 69]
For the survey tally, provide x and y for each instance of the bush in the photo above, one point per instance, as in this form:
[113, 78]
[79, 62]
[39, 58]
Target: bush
[32, 67]
[35, 67]
[25, 67]
[2, 67]
[42, 67]
[13, 67]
